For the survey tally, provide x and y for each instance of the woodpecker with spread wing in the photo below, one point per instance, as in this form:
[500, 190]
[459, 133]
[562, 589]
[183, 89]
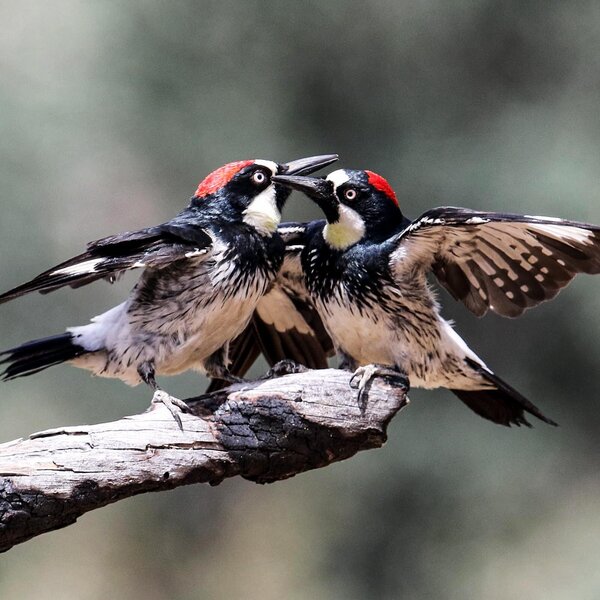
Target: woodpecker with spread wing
[365, 269]
[204, 272]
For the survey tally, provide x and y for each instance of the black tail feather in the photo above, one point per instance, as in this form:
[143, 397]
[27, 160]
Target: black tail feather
[503, 405]
[37, 355]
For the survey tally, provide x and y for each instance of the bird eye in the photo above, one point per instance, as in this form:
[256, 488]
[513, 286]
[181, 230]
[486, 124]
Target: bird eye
[350, 194]
[259, 177]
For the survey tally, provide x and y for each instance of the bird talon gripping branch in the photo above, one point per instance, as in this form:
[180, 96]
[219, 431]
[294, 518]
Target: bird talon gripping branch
[364, 375]
[173, 404]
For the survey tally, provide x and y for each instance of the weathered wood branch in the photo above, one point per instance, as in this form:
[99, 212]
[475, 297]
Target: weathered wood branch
[263, 431]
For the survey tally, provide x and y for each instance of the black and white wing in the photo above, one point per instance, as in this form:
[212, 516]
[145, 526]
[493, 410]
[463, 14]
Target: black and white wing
[107, 258]
[284, 324]
[505, 263]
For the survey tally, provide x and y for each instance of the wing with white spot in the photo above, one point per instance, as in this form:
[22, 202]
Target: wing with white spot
[505, 263]
[155, 247]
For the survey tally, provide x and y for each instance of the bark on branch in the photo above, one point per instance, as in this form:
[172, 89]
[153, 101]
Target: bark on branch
[264, 431]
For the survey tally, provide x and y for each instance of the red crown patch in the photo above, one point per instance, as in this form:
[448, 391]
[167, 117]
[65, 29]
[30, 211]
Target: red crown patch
[379, 183]
[219, 178]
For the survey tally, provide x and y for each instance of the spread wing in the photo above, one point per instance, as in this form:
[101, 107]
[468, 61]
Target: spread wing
[284, 324]
[505, 263]
[107, 258]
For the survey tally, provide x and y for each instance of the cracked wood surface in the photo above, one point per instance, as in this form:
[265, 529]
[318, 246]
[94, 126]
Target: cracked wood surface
[263, 431]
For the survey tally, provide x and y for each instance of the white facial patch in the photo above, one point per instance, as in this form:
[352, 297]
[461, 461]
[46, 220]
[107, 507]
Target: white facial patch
[262, 213]
[338, 178]
[346, 231]
[273, 167]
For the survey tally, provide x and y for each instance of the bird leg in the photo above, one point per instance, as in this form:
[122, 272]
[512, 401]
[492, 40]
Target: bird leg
[215, 366]
[174, 405]
[347, 363]
[363, 378]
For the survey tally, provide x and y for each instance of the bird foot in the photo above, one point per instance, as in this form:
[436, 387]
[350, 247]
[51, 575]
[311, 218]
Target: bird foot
[284, 367]
[362, 380]
[225, 375]
[174, 405]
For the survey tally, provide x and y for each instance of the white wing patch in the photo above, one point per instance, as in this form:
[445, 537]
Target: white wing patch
[88, 266]
[541, 218]
[193, 253]
[290, 229]
[476, 221]
[565, 232]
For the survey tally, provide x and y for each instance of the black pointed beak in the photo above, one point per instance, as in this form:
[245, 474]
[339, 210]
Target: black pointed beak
[317, 189]
[306, 166]
[314, 187]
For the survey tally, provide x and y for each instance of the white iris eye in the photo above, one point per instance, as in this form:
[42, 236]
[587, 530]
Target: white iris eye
[350, 194]
[259, 177]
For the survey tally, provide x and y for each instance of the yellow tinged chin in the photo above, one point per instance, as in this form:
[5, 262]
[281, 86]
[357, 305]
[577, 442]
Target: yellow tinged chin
[265, 223]
[269, 222]
[340, 236]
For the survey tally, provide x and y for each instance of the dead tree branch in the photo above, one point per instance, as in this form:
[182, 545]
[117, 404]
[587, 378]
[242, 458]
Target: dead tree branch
[264, 431]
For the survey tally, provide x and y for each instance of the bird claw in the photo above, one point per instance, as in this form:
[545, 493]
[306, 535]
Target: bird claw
[174, 405]
[284, 367]
[363, 377]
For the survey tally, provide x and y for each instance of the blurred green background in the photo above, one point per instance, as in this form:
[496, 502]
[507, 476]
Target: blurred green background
[110, 114]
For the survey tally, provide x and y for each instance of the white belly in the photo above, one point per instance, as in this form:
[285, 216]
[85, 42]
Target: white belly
[357, 336]
[423, 346]
[173, 333]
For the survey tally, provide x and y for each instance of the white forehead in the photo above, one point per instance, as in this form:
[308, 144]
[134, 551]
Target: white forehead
[273, 167]
[338, 178]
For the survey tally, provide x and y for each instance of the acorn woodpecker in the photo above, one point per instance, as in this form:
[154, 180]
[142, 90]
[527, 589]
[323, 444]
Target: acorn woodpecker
[365, 269]
[204, 272]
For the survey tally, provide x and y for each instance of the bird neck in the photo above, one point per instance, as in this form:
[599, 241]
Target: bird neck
[384, 223]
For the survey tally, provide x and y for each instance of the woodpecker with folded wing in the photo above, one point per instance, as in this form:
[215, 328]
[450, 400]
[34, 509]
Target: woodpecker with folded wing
[204, 272]
[366, 268]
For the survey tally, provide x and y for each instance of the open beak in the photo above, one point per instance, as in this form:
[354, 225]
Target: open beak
[306, 166]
